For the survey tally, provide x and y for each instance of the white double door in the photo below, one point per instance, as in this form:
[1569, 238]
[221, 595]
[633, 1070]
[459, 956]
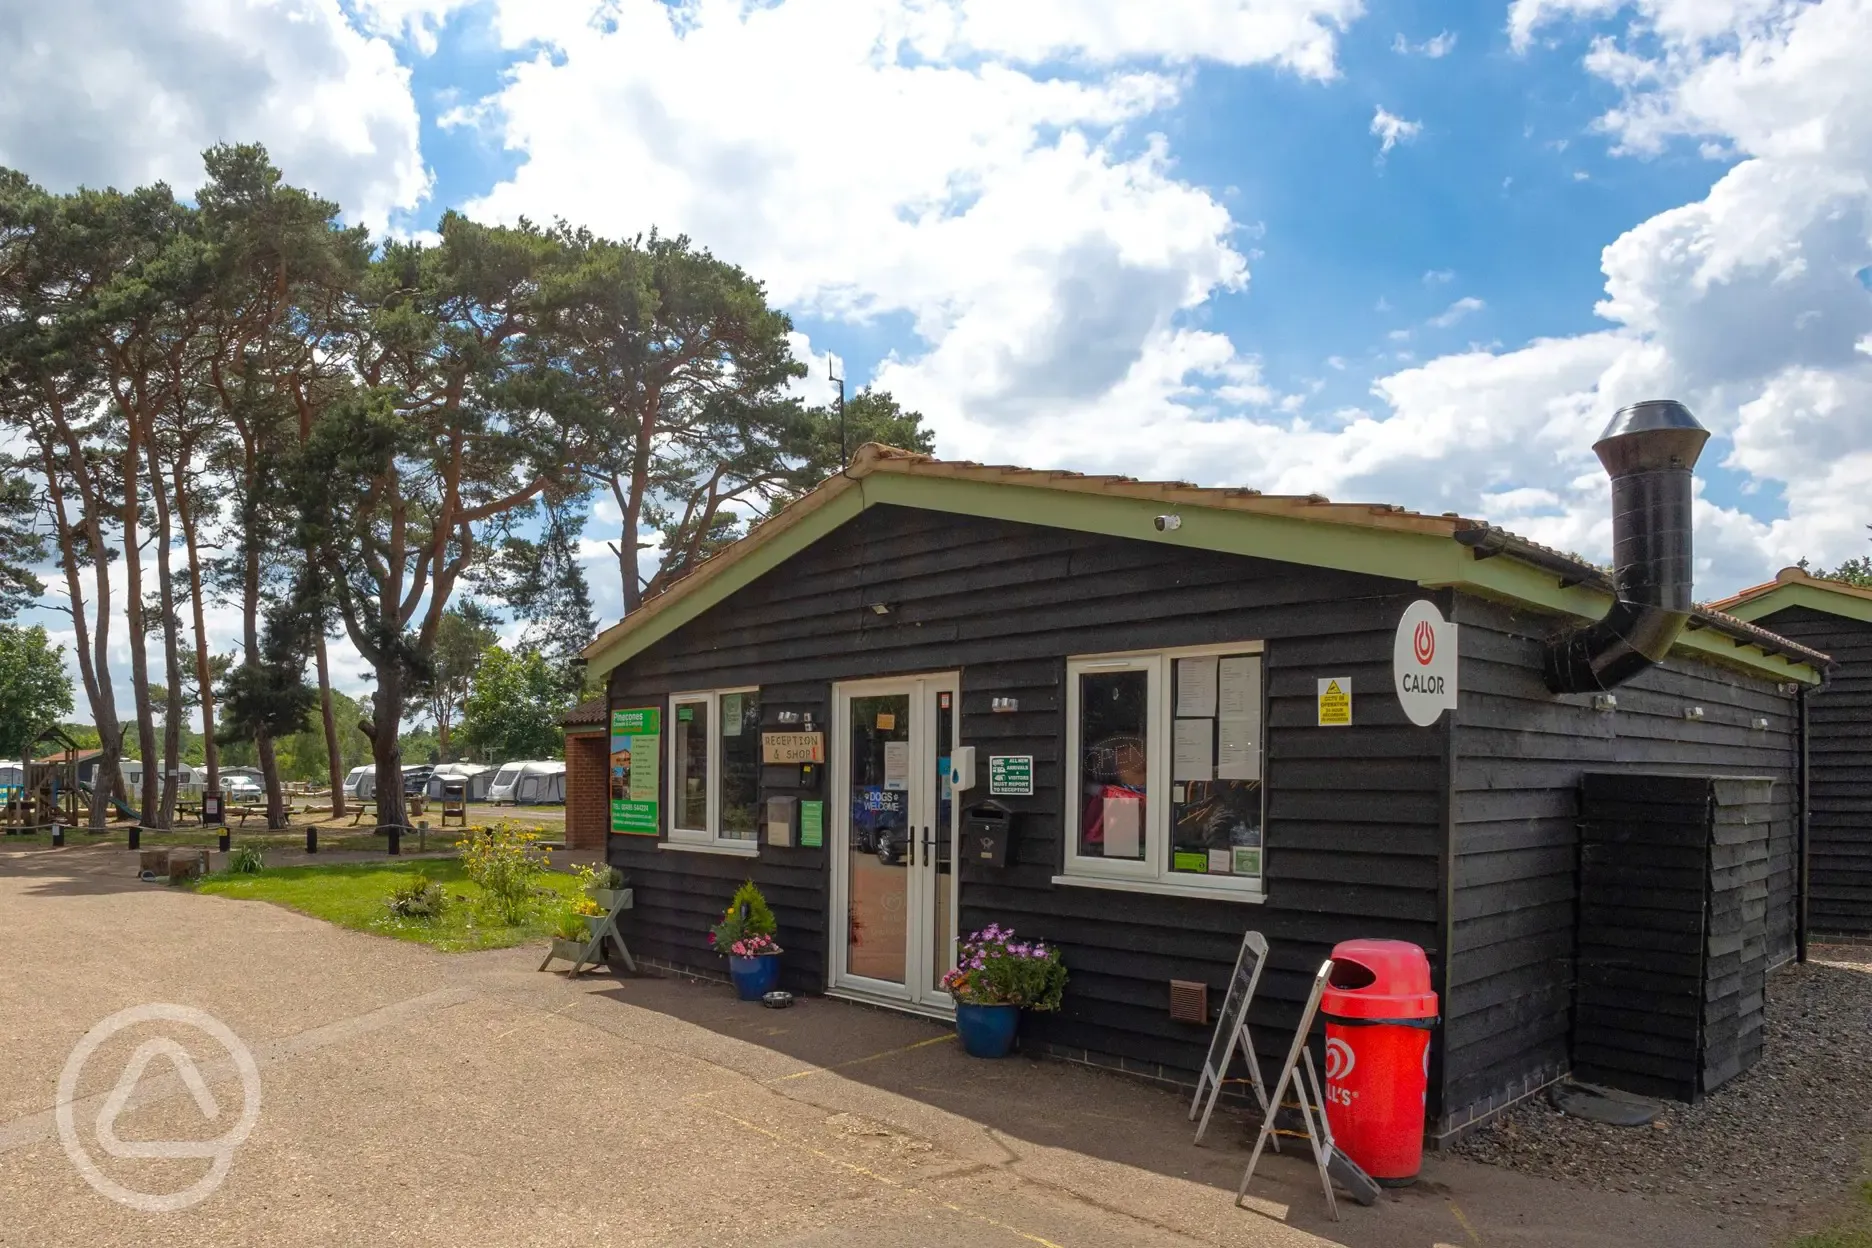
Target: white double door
[894, 832]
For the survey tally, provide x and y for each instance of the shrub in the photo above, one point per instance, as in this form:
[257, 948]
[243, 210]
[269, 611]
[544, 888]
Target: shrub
[421, 898]
[568, 924]
[992, 968]
[246, 860]
[747, 915]
[593, 877]
[586, 905]
[504, 860]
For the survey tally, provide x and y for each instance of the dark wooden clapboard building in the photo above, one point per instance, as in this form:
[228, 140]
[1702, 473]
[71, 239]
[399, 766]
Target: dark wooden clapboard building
[1199, 711]
[1836, 618]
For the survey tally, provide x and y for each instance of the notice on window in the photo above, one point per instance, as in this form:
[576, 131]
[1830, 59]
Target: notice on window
[1221, 862]
[897, 765]
[1123, 819]
[1247, 861]
[1193, 750]
[730, 714]
[887, 721]
[1196, 686]
[1239, 689]
[1335, 701]
[1238, 754]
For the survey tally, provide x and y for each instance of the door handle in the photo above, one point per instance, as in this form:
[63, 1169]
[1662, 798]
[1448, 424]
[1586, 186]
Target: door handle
[929, 847]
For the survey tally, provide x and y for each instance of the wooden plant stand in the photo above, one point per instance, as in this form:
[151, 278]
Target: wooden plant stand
[590, 953]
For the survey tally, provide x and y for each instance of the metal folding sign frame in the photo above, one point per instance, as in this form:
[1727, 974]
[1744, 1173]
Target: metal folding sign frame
[1298, 1070]
[1231, 1033]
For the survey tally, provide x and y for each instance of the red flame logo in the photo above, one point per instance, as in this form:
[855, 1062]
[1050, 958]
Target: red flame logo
[1423, 642]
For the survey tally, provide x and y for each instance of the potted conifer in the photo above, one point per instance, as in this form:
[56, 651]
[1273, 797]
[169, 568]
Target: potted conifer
[745, 936]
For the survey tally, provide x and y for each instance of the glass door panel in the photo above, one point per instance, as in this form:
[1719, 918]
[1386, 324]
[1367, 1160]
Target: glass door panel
[939, 858]
[879, 845]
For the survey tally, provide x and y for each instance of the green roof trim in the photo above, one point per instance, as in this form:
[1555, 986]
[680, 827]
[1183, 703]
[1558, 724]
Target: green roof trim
[1796, 594]
[1431, 559]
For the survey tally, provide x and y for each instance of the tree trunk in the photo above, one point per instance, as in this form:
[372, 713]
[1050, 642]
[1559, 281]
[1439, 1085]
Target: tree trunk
[172, 654]
[250, 638]
[92, 646]
[148, 796]
[204, 680]
[386, 719]
[334, 758]
[269, 768]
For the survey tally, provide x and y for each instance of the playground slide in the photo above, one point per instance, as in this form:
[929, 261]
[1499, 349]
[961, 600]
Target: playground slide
[123, 808]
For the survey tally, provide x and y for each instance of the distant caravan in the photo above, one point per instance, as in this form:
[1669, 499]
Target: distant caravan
[529, 784]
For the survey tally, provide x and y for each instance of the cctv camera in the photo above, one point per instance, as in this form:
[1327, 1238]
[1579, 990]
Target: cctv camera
[1166, 523]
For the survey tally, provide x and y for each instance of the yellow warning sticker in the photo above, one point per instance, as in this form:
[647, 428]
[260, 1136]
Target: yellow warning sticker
[1335, 701]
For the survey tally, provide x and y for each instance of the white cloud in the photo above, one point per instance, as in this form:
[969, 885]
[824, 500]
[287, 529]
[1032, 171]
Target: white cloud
[119, 92]
[1465, 306]
[1436, 47]
[1439, 277]
[1392, 130]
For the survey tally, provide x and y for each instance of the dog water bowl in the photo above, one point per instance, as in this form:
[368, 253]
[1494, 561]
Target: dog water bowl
[777, 1000]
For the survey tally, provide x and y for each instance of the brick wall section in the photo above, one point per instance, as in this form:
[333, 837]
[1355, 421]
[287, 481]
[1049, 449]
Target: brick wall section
[587, 802]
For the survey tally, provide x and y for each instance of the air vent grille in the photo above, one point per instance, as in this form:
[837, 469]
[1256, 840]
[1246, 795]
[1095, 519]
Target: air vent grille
[1189, 1002]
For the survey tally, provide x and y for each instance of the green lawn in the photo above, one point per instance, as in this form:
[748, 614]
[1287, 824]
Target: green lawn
[1852, 1230]
[353, 896]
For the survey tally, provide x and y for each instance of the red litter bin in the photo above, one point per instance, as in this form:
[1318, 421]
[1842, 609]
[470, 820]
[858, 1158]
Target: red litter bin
[1379, 1011]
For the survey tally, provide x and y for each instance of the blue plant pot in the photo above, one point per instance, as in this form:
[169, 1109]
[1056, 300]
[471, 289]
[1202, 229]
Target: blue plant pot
[987, 1030]
[754, 978]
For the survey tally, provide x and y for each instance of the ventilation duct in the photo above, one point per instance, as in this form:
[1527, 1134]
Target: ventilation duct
[1649, 450]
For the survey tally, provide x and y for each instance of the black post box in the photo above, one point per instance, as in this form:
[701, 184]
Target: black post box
[987, 834]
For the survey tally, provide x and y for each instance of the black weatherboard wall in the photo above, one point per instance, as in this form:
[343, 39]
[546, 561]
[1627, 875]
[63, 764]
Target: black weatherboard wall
[1839, 749]
[1355, 821]
[1520, 755]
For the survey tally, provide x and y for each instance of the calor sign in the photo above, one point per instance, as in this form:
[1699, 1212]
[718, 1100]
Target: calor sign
[1423, 663]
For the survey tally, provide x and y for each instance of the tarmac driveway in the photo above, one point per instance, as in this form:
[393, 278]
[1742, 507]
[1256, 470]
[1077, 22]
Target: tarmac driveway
[411, 1097]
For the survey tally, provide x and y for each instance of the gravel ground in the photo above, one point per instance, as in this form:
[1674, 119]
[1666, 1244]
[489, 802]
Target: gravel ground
[1786, 1136]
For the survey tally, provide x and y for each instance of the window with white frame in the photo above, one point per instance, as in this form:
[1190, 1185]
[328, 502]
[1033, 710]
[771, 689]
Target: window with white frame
[1164, 769]
[715, 767]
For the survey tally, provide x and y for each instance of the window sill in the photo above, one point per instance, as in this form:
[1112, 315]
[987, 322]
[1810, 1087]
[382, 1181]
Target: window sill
[1247, 896]
[750, 850]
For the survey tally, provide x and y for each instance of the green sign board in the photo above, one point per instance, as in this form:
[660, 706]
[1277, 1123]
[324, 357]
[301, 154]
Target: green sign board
[812, 824]
[1010, 775]
[636, 771]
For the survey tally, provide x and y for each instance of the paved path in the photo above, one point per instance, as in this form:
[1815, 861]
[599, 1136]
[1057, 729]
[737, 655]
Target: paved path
[416, 1098]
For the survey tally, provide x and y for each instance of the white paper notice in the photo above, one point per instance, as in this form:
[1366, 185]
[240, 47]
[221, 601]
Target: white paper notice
[897, 764]
[1221, 862]
[1194, 750]
[1240, 687]
[1196, 686]
[1239, 755]
[1123, 821]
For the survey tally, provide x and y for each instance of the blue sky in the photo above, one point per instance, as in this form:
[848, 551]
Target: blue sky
[1391, 250]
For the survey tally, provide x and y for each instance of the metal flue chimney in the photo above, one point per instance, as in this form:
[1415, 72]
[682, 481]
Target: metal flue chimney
[1649, 450]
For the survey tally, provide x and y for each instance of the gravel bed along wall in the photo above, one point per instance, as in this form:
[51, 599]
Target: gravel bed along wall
[1789, 1133]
